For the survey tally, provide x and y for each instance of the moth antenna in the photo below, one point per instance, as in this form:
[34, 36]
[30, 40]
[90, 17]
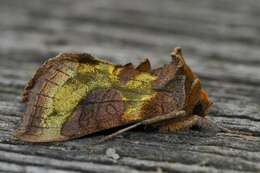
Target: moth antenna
[150, 121]
[108, 137]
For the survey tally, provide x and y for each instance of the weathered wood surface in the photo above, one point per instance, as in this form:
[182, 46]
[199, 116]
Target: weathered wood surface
[220, 40]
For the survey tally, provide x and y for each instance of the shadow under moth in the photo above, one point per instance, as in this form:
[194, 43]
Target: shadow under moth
[73, 95]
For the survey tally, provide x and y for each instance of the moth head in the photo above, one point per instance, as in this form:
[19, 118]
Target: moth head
[201, 108]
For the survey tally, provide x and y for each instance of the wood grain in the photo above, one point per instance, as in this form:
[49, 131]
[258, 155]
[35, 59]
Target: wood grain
[220, 40]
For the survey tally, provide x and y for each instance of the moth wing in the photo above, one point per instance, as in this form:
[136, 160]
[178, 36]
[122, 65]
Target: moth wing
[99, 110]
[39, 96]
[54, 104]
[144, 66]
[73, 95]
[53, 64]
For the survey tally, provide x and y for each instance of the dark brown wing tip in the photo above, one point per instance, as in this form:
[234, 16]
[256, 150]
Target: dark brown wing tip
[144, 66]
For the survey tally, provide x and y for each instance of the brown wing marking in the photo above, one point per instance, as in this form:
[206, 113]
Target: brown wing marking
[162, 103]
[177, 88]
[144, 66]
[100, 109]
[127, 72]
[164, 75]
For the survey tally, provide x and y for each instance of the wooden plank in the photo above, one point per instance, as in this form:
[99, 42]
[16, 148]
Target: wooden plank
[221, 43]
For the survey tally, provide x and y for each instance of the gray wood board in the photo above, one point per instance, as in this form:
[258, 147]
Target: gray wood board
[220, 40]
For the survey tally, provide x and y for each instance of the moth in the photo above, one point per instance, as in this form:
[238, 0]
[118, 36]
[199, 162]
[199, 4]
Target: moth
[73, 95]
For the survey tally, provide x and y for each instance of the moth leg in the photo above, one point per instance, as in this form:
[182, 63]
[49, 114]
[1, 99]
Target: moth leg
[146, 122]
[189, 120]
[207, 124]
[203, 123]
[193, 120]
[180, 124]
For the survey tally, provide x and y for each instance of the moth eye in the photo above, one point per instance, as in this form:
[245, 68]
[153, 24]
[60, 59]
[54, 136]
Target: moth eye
[198, 109]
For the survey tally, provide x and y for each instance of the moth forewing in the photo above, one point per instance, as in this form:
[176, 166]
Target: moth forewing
[73, 95]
